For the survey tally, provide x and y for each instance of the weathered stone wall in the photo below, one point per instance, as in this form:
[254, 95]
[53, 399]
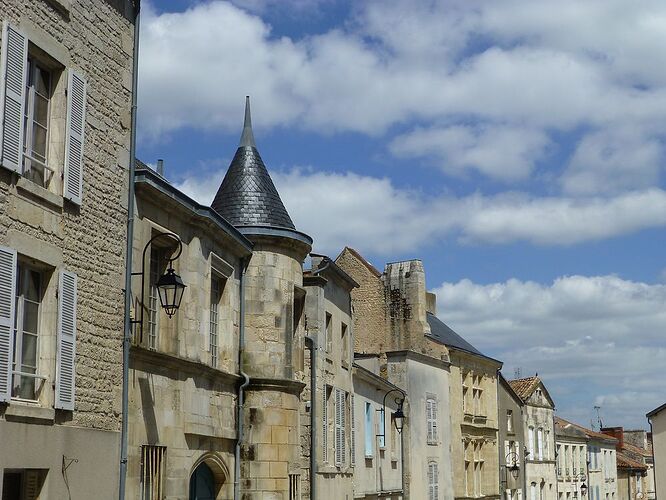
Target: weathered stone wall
[507, 402]
[368, 302]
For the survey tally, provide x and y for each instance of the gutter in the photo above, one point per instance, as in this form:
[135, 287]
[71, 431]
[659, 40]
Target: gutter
[246, 380]
[127, 332]
[313, 415]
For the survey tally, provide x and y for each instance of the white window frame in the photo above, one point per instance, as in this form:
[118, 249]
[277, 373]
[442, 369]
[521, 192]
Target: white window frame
[433, 480]
[431, 420]
[368, 430]
[216, 289]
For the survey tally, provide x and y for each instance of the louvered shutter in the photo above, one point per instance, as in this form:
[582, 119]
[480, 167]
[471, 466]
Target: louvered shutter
[324, 418]
[66, 341]
[7, 303]
[74, 144]
[429, 420]
[12, 96]
[343, 427]
[353, 431]
[507, 450]
[434, 421]
[338, 428]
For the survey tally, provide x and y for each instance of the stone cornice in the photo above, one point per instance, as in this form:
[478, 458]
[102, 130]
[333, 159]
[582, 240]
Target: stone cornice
[423, 358]
[167, 360]
[276, 384]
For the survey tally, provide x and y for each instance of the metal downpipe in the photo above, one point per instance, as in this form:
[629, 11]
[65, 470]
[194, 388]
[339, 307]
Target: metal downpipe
[313, 416]
[127, 332]
[246, 381]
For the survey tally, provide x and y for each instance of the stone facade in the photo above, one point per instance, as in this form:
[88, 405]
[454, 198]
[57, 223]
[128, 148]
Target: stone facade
[538, 408]
[329, 323]
[184, 369]
[572, 455]
[390, 323]
[378, 460]
[512, 442]
[51, 234]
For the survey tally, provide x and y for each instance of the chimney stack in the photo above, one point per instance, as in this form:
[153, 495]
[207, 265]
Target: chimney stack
[617, 433]
[160, 167]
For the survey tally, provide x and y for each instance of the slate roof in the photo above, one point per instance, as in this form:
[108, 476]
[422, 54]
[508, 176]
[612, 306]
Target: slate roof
[247, 195]
[524, 386]
[441, 332]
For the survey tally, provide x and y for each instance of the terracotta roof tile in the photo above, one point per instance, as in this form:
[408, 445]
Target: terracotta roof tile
[524, 386]
[624, 462]
[589, 432]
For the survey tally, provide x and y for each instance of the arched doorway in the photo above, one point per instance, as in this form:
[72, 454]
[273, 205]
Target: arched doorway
[202, 483]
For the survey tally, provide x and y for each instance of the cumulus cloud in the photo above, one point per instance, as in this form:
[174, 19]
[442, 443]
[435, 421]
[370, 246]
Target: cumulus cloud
[502, 152]
[599, 334]
[366, 212]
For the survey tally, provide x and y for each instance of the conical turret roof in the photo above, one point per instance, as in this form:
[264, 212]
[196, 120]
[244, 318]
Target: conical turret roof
[247, 195]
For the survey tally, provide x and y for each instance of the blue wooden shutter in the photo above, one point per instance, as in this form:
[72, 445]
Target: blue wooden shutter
[65, 376]
[12, 96]
[7, 302]
[74, 143]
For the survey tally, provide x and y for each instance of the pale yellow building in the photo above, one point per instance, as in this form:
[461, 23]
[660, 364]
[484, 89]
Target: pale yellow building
[657, 419]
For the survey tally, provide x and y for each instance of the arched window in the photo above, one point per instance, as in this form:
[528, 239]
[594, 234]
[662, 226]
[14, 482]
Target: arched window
[202, 483]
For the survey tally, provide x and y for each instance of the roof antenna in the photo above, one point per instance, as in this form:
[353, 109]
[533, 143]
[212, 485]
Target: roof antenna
[517, 373]
[599, 422]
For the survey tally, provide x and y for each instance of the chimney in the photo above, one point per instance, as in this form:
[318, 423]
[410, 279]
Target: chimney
[160, 167]
[431, 303]
[617, 433]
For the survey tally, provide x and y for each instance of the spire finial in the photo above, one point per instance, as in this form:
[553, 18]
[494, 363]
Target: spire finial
[247, 137]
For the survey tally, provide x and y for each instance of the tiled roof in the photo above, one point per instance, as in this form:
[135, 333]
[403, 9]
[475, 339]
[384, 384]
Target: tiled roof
[624, 462]
[524, 386]
[247, 195]
[637, 450]
[589, 432]
[567, 429]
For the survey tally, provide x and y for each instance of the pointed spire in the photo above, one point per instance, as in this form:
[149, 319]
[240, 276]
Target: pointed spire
[247, 196]
[247, 137]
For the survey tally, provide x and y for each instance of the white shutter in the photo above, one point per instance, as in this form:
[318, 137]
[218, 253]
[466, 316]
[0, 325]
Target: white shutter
[343, 427]
[429, 420]
[66, 341]
[507, 450]
[434, 421]
[338, 428]
[353, 431]
[12, 96]
[74, 144]
[324, 418]
[7, 302]
[517, 450]
[520, 494]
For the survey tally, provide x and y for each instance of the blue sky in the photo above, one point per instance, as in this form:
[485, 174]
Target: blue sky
[516, 147]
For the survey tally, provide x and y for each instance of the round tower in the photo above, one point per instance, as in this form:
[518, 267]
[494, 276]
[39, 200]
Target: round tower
[272, 355]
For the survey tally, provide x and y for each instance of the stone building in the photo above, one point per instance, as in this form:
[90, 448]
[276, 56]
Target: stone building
[377, 440]
[272, 355]
[657, 419]
[642, 440]
[184, 370]
[632, 466]
[538, 407]
[65, 92]
[511, 440]
[473, 412]
[391, 324]
[572, 454]
[328, 318]
[601, 464]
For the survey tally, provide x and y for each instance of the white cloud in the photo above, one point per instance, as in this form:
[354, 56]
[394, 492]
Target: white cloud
[613, 161]
[599, 334]
[502, 152]
[340, 209]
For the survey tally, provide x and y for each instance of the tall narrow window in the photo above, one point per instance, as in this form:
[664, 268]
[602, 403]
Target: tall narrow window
[35, 123]
[509, 420]
[540, 444]
[433, 481]
[294, 487]
[478, 468]
[328, 333]
[431, 420]
[533, 491]
[368, 430]
[153, 297]
[344, 345]
[153, 460]
[469, 458]
[215, 297]
[530, 442]
[382, 429]
[340, 429]
[26, 337]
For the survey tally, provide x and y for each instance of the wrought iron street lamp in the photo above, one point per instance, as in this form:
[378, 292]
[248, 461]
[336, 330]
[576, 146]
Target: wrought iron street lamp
[398, 414]
[170, 286]
[512, 464]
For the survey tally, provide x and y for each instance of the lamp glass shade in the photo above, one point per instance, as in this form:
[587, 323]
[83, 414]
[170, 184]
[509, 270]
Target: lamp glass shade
[583, 489]
[170, 288]
[399, 419]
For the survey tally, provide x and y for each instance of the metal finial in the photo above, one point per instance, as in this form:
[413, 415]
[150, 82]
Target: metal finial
[247, 137]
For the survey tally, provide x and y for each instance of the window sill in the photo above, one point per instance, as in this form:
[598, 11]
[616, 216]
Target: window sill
[39, 192]
[32, 412]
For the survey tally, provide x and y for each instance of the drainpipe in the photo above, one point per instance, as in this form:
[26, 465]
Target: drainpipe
[310, 342]
[246, 380]
[128, 261]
